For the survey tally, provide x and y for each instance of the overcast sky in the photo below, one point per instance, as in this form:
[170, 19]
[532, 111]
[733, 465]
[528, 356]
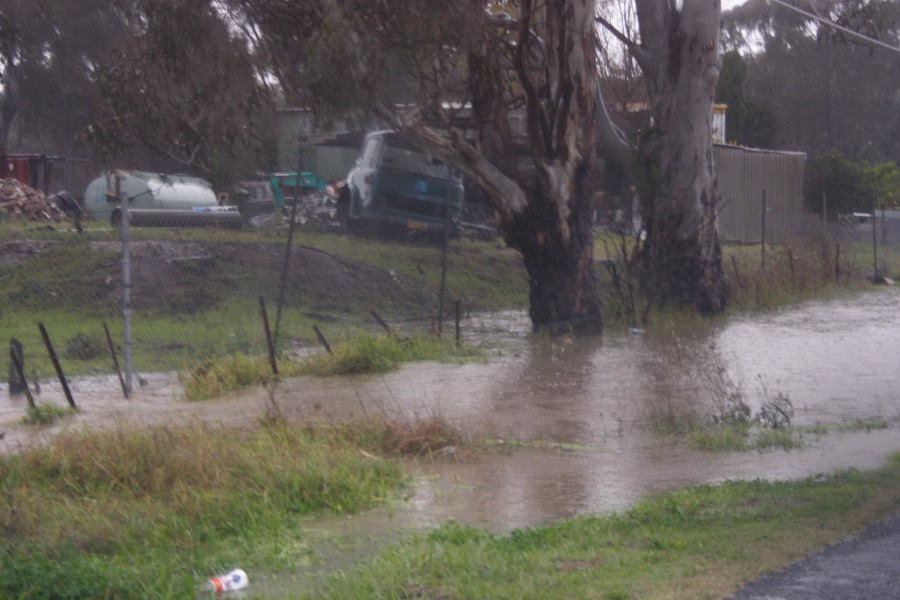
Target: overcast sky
[729, 4]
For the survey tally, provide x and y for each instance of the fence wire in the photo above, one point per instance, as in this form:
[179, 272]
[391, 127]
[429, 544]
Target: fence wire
[202, 292]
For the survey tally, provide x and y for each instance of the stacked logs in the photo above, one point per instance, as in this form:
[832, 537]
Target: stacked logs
[21, 201]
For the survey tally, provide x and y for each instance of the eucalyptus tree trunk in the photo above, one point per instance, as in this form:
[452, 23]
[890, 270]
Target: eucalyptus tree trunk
[554, 233]
[682, 256]
[545, 199]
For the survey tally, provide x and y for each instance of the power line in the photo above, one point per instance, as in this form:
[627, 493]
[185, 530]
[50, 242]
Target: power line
[836, 26]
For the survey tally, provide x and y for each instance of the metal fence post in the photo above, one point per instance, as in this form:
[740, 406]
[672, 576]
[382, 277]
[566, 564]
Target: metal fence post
[874, 237]
[444, 259]
[762, 255]
[126, 280]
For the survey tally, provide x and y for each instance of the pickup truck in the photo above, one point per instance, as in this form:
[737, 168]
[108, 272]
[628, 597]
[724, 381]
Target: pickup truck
[395, 187]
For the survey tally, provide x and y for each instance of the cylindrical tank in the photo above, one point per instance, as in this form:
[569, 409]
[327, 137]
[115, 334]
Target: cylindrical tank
[146, 191]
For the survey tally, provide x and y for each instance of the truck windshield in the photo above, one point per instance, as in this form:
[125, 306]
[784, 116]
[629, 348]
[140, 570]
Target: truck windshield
[399, 155]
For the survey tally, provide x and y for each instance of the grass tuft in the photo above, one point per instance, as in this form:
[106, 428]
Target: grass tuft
[45, 414]
[217, 376]
[367, 353]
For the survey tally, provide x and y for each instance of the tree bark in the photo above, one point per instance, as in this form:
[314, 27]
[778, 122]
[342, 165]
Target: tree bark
[563, 293]
[682, 256]
[545, 204]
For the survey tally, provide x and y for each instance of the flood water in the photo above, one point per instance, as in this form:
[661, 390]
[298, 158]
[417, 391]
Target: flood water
[590, 410]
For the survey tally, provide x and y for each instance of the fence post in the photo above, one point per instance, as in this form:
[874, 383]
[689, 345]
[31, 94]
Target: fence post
[444, 258]
[57, 366]
[112, 351]
[17, 383]
[126, 279]
[457, 310]
[762, 255]
[874, 238]
[290, 240]
[20, 373]
[269, 344]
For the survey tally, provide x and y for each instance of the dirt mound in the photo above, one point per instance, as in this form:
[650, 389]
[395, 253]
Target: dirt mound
[188, 277]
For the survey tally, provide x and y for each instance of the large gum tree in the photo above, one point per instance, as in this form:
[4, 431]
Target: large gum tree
[470, 79]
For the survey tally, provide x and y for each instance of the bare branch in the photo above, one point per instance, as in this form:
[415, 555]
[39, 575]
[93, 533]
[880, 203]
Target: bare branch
[640, 55]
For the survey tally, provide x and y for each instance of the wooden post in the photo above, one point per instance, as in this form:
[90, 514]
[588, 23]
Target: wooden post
[457, 308]
[382, 322]
[271, 346]
[322, 339]
[837, 261]
[791, 264]
[112, 351]
[17, 383]
[56, 365]
[21, 374]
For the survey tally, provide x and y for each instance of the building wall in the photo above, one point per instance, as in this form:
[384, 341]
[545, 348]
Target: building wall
[743, 174]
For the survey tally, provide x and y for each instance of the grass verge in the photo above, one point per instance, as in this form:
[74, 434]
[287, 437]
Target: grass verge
[138, 514]
[697, 543]
[151, 513]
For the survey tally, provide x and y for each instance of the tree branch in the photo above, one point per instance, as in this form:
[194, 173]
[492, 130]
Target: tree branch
[640, 55]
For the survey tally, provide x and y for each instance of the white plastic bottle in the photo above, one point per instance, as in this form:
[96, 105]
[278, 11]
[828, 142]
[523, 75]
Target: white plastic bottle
[230, 582]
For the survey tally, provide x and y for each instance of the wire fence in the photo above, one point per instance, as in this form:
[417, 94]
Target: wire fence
[104, 310]
[131, 307]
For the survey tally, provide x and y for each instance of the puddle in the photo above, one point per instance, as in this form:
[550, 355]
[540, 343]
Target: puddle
[837, 361]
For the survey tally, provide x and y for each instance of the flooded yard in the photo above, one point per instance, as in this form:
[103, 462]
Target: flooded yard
[576, 424]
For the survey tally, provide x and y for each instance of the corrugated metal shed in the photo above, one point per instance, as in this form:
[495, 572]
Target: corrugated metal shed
[743, 174]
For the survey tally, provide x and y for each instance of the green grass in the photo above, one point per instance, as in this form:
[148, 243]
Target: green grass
[221, 375]
[214, 311]
[367, 353]
[364, 353]
[693, 544]
[151, 513]
[742, 437]
[45, 414]
[130, 513]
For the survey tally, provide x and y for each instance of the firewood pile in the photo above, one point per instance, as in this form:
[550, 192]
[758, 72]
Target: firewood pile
[21, 201]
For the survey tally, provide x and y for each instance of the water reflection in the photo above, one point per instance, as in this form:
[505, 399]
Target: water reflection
[603, 400]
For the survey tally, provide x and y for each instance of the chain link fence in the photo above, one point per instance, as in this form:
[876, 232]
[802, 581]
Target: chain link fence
[175, 293]
[132, 307]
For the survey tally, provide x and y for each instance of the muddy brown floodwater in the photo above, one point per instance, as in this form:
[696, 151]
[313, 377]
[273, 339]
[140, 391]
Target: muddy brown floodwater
[591, 410]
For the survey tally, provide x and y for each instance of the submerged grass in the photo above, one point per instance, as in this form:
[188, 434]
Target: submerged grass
[738, 437]
[45, 414]
[367, 353]
[364, 353]
[218, 376]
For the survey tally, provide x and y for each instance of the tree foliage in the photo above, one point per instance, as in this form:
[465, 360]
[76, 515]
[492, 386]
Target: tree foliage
[750, 122]
[826, 89]
[848, 187]
[50, 51]
[183, 95]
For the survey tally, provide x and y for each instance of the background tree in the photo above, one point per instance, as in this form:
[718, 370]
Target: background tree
[182, 95]
[50, 51]
[827, 89]
[416, 65]
[750, 122]
[419, 65]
